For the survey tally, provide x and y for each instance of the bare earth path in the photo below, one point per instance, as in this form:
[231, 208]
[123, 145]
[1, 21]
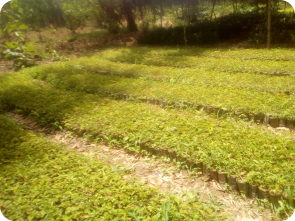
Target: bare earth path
[167, 176]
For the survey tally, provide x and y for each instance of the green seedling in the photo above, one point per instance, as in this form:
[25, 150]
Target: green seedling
[59, 165]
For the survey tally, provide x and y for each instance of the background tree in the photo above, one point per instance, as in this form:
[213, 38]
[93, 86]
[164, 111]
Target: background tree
[116, 10]
[42, 13]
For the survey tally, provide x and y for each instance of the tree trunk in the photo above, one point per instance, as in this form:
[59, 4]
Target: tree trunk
[214, 2]
[127, 10]
[131, 25]
[58, 17]
[188, 14]
[43, 23]
[184, 35]
[161, 8]
[185, 11]
[269, 24]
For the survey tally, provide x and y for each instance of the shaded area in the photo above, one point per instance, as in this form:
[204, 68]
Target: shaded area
[235, 27]
[10, 136]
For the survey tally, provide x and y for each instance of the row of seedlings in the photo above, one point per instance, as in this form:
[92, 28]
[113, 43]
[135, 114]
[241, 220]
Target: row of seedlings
[223, 64]
[40, 107]
[260, 118]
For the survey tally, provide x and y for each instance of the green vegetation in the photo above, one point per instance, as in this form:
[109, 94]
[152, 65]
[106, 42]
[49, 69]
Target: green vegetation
[43, 180]
[190, 76]
[200, 107]
[221, 96]
[218, 52]
[16, 47]
[225, 144]
[243, 101]
[207, 63]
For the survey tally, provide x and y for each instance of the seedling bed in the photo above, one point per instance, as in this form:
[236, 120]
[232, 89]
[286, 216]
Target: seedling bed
[41, 179]
[230, 101]
[261, 157]
[201, 76]
[243, 54]
[221, 64]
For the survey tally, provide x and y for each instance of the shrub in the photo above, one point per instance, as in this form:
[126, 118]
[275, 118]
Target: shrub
[15, 46]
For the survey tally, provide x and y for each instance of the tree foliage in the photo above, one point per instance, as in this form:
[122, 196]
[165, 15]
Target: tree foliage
[42, 13]
[134, 15]
[15, 47]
